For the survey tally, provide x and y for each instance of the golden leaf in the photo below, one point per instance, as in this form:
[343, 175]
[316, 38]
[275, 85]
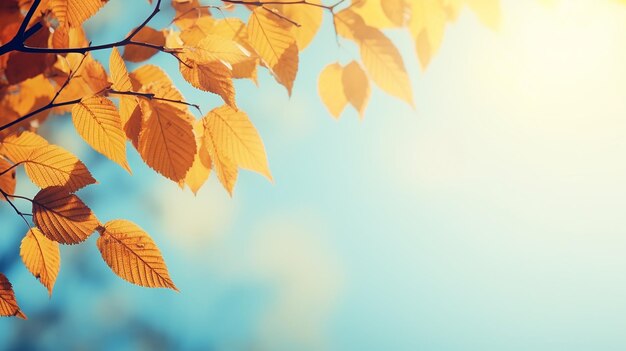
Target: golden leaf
[384, 63]
[275, 45]
[119, 74]
[54, 166]
[75, 12]
[133, 255]
[152, 79]
[19, 147]
[42, 257]
[98, 122]
[201, 168]
[235, 138]
[214, 76]
[427, 27]
[356, 86]
[309, 19]
[167, 143]
[330, 88]
[8, 304]
[62, 216]
[217, 48]
[137, 53]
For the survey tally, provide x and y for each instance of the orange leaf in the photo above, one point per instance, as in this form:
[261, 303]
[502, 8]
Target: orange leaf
[8, 304]
[7, 178]
[167, 143]
[75, 12]
[19, 147]
[98, 122]
[54, 166]
[137, 53]
[201, 168]
[62, 216]
[42, 257]
[133, 255]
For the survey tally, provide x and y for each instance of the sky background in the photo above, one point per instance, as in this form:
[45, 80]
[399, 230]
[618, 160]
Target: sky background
[488, 218]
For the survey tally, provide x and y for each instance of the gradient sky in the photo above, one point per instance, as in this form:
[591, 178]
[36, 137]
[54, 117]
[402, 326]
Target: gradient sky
[488, 218]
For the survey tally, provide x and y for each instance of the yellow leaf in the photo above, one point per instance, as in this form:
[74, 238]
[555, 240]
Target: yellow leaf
[235, 138]
[427, 27]
[188, 12]
[133, 255]
[271, 39]
[384, 63]
[7, 178]
[119, 74]
[380, 14]
[209, 76]
[75, 12]
[308, 17]
[62, 216]
[54, 166]
[98, 122]
[356, 86]
[201, 168]
[19, 147]
[152, 79]
[216, 48]
[197, 31]
[8, 304]
[167, 143]
[330, 87]
[137, 53]
[225, 168]
[42, 257]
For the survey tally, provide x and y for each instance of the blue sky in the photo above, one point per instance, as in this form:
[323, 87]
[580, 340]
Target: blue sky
[488, 218]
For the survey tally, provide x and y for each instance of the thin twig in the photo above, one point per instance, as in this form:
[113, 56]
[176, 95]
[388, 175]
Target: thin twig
[7, 197]
[151, 96]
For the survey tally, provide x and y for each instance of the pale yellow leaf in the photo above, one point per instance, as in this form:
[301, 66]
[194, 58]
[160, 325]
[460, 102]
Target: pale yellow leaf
[330, 88]
[384, 64]
[75, 12]
[356, 86]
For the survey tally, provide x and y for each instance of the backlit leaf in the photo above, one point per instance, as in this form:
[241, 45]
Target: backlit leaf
[8, 304]
[167, 143]
[62, 216]
[98, 122]
[54, 166]
[42, 257]
[271, 39]
[19, 147]
[133, 255]
[137, 53]
[236, 139]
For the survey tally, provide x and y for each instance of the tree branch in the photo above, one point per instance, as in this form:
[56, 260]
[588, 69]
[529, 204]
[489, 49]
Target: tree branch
[151, 96]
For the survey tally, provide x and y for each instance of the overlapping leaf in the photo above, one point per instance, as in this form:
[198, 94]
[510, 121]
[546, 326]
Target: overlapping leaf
[62, 216]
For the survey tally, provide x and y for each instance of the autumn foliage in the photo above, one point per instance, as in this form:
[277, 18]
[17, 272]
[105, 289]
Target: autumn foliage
[46, 70]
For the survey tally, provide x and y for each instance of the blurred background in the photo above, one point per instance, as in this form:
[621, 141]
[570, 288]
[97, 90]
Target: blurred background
[491, 217]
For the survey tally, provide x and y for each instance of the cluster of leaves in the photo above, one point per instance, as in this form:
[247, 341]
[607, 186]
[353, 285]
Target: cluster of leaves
[46, 69]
